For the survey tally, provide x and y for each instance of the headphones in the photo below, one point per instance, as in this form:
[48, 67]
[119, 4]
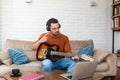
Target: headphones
[52, 20]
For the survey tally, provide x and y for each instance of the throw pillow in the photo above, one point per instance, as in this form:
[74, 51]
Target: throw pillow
[100, 55]
[88, 51]
[18, 56]
[5, 58]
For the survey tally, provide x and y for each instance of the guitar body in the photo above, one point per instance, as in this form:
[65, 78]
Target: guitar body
[44, 51]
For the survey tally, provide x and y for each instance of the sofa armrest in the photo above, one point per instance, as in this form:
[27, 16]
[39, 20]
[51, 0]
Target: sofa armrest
[108, 57]
[5, 58]
[100, 55]
[112, 61]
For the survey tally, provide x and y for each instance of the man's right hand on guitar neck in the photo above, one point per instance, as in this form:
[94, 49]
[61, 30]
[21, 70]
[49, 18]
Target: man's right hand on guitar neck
[75, 58]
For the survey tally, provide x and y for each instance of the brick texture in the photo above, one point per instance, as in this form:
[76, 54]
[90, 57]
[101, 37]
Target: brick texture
[26, 21]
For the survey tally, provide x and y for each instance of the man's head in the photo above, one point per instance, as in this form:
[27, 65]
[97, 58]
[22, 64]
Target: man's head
[53, 26]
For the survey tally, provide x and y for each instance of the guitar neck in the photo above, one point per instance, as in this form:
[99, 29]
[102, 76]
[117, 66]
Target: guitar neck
[85, 57]
[62, 54]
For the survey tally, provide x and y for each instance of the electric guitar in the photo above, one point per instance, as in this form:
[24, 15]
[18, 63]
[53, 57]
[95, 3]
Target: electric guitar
[46, 51]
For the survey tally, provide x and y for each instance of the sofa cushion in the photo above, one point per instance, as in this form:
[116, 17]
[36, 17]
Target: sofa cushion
[87, 51]
[100, 55]
[5, 58]
[77, 44]
[32, 66]
[18, 56]
[102, 67]
[21, 44]
[31, 55]
[4, 69]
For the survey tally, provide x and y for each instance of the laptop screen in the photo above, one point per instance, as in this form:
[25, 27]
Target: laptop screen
[82, 70]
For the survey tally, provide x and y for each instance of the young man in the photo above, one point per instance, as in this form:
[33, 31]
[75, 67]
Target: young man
[53, 36]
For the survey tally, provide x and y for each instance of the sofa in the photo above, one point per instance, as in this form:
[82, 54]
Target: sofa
[107, 61]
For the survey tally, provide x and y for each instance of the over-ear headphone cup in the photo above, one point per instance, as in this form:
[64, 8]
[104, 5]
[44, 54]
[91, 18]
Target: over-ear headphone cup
[48, 28]
[59, 26]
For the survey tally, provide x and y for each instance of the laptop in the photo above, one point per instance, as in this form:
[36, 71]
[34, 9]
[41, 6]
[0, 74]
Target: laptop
[82, 70]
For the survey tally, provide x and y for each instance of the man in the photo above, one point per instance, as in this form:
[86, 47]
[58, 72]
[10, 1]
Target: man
[53, 36]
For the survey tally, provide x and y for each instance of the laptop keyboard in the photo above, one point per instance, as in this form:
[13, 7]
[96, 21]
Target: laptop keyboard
[70, 77]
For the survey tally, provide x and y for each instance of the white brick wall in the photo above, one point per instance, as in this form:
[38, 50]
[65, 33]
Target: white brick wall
[0, 35]
[26, 21]
[0, 27]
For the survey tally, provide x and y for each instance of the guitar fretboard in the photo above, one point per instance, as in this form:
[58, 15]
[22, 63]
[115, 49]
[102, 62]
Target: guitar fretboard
[85, 57]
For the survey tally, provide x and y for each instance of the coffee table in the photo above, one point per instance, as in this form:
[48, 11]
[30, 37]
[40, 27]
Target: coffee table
[55, 75]
[48, 75]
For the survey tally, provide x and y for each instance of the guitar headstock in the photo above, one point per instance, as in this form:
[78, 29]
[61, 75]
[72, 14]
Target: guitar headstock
[85, 57]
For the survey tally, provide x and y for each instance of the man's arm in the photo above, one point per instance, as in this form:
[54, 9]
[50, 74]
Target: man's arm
[41, 39]
[36, 44]
[68, 48]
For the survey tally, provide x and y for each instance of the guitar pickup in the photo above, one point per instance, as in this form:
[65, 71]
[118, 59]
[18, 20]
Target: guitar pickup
[44, 51]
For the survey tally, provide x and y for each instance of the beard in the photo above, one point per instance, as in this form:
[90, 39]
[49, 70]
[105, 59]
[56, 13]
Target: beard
[56, 33]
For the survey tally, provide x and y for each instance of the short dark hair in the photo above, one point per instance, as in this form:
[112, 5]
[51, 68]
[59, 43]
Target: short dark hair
[52, 20]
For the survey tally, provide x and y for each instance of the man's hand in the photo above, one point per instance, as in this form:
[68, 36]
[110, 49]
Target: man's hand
[44, 38]
[75, 58]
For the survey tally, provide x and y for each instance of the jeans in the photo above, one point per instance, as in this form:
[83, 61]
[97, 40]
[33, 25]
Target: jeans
[61, 64]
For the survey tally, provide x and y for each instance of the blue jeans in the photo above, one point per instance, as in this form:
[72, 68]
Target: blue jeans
[61, 64]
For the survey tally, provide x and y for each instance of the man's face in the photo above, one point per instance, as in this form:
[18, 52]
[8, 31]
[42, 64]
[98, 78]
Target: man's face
[55, 29]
